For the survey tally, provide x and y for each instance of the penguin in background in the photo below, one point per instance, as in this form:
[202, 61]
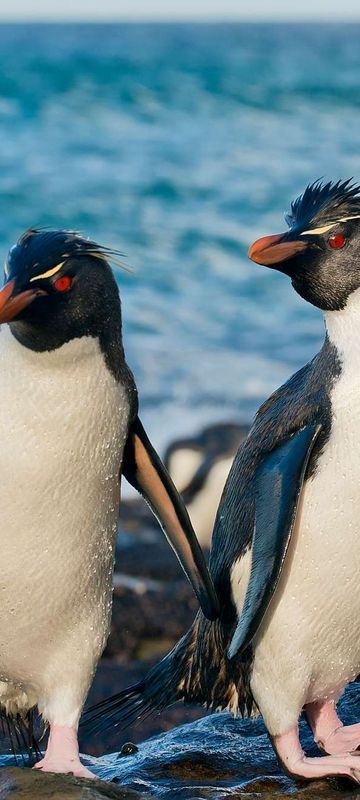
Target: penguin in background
[285, 555]
[69, 428]
[199, 466]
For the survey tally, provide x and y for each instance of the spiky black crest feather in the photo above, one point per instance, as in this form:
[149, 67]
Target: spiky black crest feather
[324, 203]
[45, 248]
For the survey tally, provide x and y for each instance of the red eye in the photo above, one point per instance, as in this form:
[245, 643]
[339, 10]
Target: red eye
[336, 241]
[63, 284]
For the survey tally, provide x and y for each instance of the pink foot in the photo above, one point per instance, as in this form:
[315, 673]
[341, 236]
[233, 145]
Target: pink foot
[62, 754]
[329, 732]
[295, 763]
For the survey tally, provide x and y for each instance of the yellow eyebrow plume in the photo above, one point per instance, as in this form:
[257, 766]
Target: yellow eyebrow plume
[314, 231]
[325, 228]
[47, 274]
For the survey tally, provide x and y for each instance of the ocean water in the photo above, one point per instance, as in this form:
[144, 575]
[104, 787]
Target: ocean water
[179, 144]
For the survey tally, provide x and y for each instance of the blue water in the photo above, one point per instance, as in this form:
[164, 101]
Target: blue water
[179, 145]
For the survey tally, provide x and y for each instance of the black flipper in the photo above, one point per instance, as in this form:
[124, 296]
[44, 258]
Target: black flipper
[145, 471]
[278, 481]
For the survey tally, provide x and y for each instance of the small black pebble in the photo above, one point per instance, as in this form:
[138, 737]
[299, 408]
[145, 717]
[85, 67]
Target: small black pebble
[128, 749]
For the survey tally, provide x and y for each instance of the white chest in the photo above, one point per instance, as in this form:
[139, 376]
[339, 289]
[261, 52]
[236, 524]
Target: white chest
[63, 420]
[326, 539]
[331, 502]
[63, 424]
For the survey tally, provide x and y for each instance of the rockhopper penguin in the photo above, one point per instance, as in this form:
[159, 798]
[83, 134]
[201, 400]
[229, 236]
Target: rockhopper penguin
[68, 429]
[285, 555]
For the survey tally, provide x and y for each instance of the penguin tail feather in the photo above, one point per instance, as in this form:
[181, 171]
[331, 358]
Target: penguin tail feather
[19, 730]
[196, 670]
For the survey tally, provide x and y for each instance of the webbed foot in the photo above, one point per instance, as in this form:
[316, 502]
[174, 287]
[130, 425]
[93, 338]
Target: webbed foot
[289, 751]
[62, 753]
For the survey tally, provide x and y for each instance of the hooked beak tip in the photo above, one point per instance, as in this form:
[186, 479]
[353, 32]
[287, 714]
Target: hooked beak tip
[12, 304]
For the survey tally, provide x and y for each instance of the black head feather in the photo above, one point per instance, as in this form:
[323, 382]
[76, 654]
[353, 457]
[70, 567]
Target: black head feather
[324, 203]
[40, 250]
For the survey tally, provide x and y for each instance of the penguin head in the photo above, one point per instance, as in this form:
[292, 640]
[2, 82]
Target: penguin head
[58, 286]
[321, 250]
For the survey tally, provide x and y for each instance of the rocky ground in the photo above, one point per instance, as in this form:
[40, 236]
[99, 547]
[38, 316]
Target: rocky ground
[215, 758]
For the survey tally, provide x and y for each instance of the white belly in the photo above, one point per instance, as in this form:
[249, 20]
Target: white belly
[63, 423]
[309, 642]
[308, 645]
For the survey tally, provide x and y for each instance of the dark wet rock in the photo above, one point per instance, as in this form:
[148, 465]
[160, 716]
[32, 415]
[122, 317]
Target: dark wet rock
[146, 553]
[218, 757]
[27, 784]
[136, 518]
[147, 624]
[214, 758]
[153, 602]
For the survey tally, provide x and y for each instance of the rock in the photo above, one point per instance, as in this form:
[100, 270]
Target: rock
[146, 625]
[28, 784]
[147, 554]
[214, 758]
[220, 758]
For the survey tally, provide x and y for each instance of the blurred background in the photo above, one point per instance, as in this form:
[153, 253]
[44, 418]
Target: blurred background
[178, 136]
[179, 144]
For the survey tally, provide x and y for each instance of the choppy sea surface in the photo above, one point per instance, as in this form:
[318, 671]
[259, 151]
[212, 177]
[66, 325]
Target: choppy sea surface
[179, 144]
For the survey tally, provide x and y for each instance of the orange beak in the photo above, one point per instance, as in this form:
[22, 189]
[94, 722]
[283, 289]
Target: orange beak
[10, 306]
[272, 250]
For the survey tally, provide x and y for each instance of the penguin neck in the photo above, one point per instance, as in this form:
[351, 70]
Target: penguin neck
[67, 357]
[41, 338]
[343, 331]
